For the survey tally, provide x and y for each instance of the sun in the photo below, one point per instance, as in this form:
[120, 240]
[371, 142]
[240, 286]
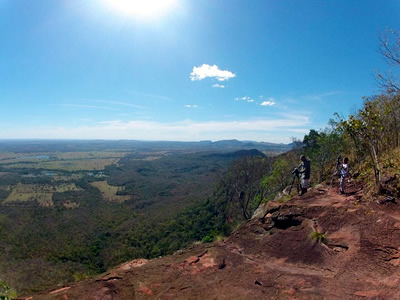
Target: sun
[142, 8]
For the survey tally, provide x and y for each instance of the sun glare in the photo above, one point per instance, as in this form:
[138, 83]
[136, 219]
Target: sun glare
[142, 8]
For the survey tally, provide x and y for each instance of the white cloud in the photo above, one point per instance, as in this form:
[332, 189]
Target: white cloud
[267, 103]
[191, 105]
[205, 70]
[273, 130]
[221, 86]
[245, 98]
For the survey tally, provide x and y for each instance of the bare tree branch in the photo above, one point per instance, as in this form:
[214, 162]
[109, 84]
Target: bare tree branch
[389, 48]
[388, 82]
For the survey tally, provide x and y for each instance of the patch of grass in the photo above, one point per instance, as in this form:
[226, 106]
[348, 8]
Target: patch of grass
[219, 238]
[66, 187]
[284, 198]
[67, 161]
[319, 237]
[109, 192]
[36, 192]
[6, 293]
[10, 157]
[78, 276]
[95, 164]
[44, 199]
[27, 192]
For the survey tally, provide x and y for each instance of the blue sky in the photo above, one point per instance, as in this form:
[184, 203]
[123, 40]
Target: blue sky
[197, 70]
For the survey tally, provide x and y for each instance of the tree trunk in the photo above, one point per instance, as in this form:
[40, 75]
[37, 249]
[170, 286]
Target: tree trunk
[376, 166]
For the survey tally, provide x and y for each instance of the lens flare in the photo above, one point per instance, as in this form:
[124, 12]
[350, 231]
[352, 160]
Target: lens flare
[142, 8]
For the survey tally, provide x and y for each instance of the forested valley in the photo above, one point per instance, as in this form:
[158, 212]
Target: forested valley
[70, 210]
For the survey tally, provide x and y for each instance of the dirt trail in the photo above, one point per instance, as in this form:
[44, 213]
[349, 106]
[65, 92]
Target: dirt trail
[318, 246]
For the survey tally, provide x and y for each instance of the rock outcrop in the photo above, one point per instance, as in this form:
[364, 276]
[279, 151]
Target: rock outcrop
[318, 246]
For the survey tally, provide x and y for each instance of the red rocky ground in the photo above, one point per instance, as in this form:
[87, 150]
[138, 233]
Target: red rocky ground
[318, 246]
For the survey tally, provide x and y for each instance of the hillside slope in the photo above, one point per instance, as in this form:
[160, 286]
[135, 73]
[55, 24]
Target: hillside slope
[321, 245]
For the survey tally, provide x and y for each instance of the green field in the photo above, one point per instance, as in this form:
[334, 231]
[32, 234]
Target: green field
[94, 164]
[34, 192]
[67, 161]
[109, 192]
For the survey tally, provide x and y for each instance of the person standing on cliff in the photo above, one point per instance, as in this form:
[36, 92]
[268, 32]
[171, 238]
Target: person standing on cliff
[344, 172]
[305, 171]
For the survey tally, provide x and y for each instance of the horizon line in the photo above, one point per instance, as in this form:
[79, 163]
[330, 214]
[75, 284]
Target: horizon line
[134, 140]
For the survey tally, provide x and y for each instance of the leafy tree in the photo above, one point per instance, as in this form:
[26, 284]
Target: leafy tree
[390, 107]
[322, 148]
[366, 129]
[243, 183]
[278, 179]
